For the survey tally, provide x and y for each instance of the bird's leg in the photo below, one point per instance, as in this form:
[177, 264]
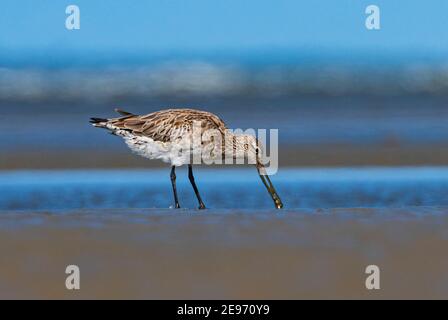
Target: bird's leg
[173, 183]
[196, 191]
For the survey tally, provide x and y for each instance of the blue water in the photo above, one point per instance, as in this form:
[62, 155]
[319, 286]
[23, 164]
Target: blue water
[411, 121]
[224, 188]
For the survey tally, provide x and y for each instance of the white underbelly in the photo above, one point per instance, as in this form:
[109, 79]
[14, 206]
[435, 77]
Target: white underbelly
[176, 154]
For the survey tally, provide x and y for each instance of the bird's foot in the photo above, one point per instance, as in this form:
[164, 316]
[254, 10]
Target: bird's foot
[202, 206]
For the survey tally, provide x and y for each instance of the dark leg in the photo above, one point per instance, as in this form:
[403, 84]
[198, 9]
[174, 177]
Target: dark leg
[191, 177]
[173, 183]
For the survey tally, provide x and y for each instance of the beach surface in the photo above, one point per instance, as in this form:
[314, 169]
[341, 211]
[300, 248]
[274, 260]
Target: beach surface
[225, 254]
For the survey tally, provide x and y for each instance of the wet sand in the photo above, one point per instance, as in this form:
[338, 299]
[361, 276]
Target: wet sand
[250, 254]
[289, 156]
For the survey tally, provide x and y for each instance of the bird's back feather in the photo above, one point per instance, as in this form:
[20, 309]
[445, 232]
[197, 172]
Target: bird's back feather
[163, 125]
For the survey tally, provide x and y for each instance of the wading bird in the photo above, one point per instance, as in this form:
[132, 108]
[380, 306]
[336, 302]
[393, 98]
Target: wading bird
[178, 136]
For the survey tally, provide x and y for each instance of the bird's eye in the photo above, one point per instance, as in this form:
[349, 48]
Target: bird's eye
[246, 146]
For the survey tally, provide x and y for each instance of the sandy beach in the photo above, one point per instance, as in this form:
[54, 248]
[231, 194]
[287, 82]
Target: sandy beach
[221, 254]
[303, 156]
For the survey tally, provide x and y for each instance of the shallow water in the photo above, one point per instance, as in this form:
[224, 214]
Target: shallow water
[224, 188]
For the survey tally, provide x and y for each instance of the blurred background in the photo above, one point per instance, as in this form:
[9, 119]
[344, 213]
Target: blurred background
[340, 95]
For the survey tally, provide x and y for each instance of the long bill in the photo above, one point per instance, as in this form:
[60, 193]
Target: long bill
[269, 186]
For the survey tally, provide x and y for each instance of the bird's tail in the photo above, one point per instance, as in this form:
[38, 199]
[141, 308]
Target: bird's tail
[109, 123]
[99, 122]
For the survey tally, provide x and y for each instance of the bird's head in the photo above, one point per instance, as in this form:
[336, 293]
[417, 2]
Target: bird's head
[247, 147]
[253, 153]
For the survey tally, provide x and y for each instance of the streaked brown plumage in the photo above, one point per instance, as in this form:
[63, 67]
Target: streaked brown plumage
[162, 125]
[163, 134]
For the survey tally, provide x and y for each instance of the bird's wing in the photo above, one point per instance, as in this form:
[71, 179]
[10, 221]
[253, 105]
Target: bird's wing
[168, 124]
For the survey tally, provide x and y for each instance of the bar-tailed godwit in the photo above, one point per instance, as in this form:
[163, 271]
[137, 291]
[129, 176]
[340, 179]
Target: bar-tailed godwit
[169, 135]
